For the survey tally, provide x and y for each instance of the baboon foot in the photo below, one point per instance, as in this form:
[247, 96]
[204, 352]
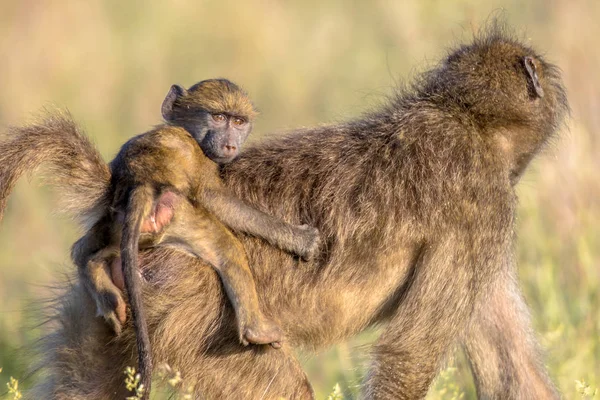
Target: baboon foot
[111, 306]
[263, 332]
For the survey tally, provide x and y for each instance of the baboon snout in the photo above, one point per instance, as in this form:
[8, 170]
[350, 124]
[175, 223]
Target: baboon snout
[229, 150]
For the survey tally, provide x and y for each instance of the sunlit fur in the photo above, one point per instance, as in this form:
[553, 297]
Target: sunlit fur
[416, 204]
[216, 95]
[74, 165]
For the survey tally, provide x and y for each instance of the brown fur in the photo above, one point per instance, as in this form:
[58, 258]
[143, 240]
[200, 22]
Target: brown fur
[155, 188]
[216, 97]
[75, 166]
[156, 175]
[415, 202]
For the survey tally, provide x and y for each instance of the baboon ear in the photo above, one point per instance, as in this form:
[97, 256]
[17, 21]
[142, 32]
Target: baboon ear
[175, 92]
[533, 76]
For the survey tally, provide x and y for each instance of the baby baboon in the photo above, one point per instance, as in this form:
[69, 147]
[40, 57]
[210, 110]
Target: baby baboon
[166, 174]
[415, 204]
[155, 179]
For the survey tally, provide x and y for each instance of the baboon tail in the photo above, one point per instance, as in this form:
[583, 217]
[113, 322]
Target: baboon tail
[138, 207]
[75, 166]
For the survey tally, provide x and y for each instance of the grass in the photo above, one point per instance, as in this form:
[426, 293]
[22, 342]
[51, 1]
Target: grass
[304, 63]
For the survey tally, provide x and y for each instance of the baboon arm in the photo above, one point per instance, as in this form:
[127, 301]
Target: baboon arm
[241, 217]
[434, 308]
[501, 346]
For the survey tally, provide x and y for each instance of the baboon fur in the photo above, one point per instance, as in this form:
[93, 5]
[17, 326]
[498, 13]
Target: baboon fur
[171, 171]
[415, 202]
[74, 166]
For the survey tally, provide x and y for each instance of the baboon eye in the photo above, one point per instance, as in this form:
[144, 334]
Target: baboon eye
[238, 121]
[219, 117]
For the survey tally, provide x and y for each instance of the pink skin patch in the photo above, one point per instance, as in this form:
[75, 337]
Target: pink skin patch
[162, 215]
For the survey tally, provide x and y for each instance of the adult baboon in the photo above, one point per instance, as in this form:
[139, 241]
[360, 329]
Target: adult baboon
[415, 203]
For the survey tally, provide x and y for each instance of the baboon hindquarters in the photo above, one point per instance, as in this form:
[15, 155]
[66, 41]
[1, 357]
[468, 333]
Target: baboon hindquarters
[191, 323]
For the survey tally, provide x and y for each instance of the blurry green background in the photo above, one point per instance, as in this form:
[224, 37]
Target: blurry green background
[304, 62]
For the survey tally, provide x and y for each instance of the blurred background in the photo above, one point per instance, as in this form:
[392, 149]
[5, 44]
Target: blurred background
[303, 62]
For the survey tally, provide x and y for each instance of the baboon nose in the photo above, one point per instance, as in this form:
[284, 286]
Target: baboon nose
[229, 150]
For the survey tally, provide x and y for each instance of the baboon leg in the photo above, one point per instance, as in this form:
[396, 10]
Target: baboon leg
[233, 372]
[82, 359]
[193, 330]
[93, 254]
[191, 325]
[502, 349]
[432, 312]
[205, 237]
[96, 277]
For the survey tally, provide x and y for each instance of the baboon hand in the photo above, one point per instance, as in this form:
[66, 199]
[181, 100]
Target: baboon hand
[310, 241]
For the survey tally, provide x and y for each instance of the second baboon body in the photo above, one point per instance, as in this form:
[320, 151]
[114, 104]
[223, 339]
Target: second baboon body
[415, 202]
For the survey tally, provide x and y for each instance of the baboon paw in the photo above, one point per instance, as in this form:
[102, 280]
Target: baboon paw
[312, 241]
[263, 333]
[112, 307]
[113, 321]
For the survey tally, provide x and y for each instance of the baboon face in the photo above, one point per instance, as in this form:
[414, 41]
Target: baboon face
[223, 136]
[216, 112]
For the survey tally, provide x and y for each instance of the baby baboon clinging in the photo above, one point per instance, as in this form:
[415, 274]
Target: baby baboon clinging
[154, 171]
[155, 187]
[157, 176]
[415, 203]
